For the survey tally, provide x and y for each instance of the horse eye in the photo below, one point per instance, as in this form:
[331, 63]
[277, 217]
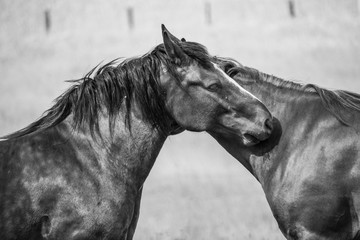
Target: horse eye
[214, 87]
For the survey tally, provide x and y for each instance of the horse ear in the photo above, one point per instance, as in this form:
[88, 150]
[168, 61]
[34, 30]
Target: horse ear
[172, 47]
[172, 37]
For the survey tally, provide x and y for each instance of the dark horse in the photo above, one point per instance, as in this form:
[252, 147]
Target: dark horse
[309, 168]
[77, 172]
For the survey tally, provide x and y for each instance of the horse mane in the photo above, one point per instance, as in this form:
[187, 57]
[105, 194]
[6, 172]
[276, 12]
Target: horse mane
[105, 88]
[339, 103]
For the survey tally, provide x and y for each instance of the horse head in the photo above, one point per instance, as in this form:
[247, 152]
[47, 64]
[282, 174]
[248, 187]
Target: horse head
[201, 97]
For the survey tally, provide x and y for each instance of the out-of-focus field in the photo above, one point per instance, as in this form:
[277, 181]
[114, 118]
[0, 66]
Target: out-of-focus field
[195, 190]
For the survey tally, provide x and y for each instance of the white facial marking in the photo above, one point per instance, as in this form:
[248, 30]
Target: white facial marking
[232, 81]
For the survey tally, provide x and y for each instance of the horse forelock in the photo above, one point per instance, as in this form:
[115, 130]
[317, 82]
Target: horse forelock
[341, 104]
[194, 50]
[109, 86]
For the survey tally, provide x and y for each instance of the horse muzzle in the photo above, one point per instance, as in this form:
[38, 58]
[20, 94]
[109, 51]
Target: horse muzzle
[259, 132]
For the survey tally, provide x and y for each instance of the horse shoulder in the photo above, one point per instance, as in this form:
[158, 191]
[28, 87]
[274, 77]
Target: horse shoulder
[48, 187]
[317, 190]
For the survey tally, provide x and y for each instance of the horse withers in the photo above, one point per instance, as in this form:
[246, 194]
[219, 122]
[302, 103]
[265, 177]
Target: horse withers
[309, 167]
[78, 171]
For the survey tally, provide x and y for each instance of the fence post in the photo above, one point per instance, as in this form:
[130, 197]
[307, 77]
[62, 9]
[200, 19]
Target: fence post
[292, 8]
[47, 20]
[130, 17]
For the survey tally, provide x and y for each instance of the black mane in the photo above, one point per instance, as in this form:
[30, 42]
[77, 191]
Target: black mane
[111, 85]
[340, 103]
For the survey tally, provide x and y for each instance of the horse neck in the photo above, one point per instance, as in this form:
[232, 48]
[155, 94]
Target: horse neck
[127, 152]
[279, 100]
[291, 108]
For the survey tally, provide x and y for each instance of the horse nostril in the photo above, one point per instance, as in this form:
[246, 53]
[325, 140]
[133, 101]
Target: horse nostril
[269, 125]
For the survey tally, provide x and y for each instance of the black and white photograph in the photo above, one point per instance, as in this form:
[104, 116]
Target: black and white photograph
[180, 120]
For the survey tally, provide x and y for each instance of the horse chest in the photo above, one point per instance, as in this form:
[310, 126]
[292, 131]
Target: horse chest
[105, 218]
[108, 209]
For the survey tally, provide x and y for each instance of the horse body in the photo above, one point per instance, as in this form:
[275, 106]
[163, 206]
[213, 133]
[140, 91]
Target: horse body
[88, 188]
[77, 172]
[310, 176]
[310, 168]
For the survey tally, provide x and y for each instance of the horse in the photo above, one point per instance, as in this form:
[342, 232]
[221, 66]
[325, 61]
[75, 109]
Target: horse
[309, 168]
[78, 171]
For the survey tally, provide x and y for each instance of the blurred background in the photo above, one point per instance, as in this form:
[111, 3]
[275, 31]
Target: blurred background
[195, 190]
